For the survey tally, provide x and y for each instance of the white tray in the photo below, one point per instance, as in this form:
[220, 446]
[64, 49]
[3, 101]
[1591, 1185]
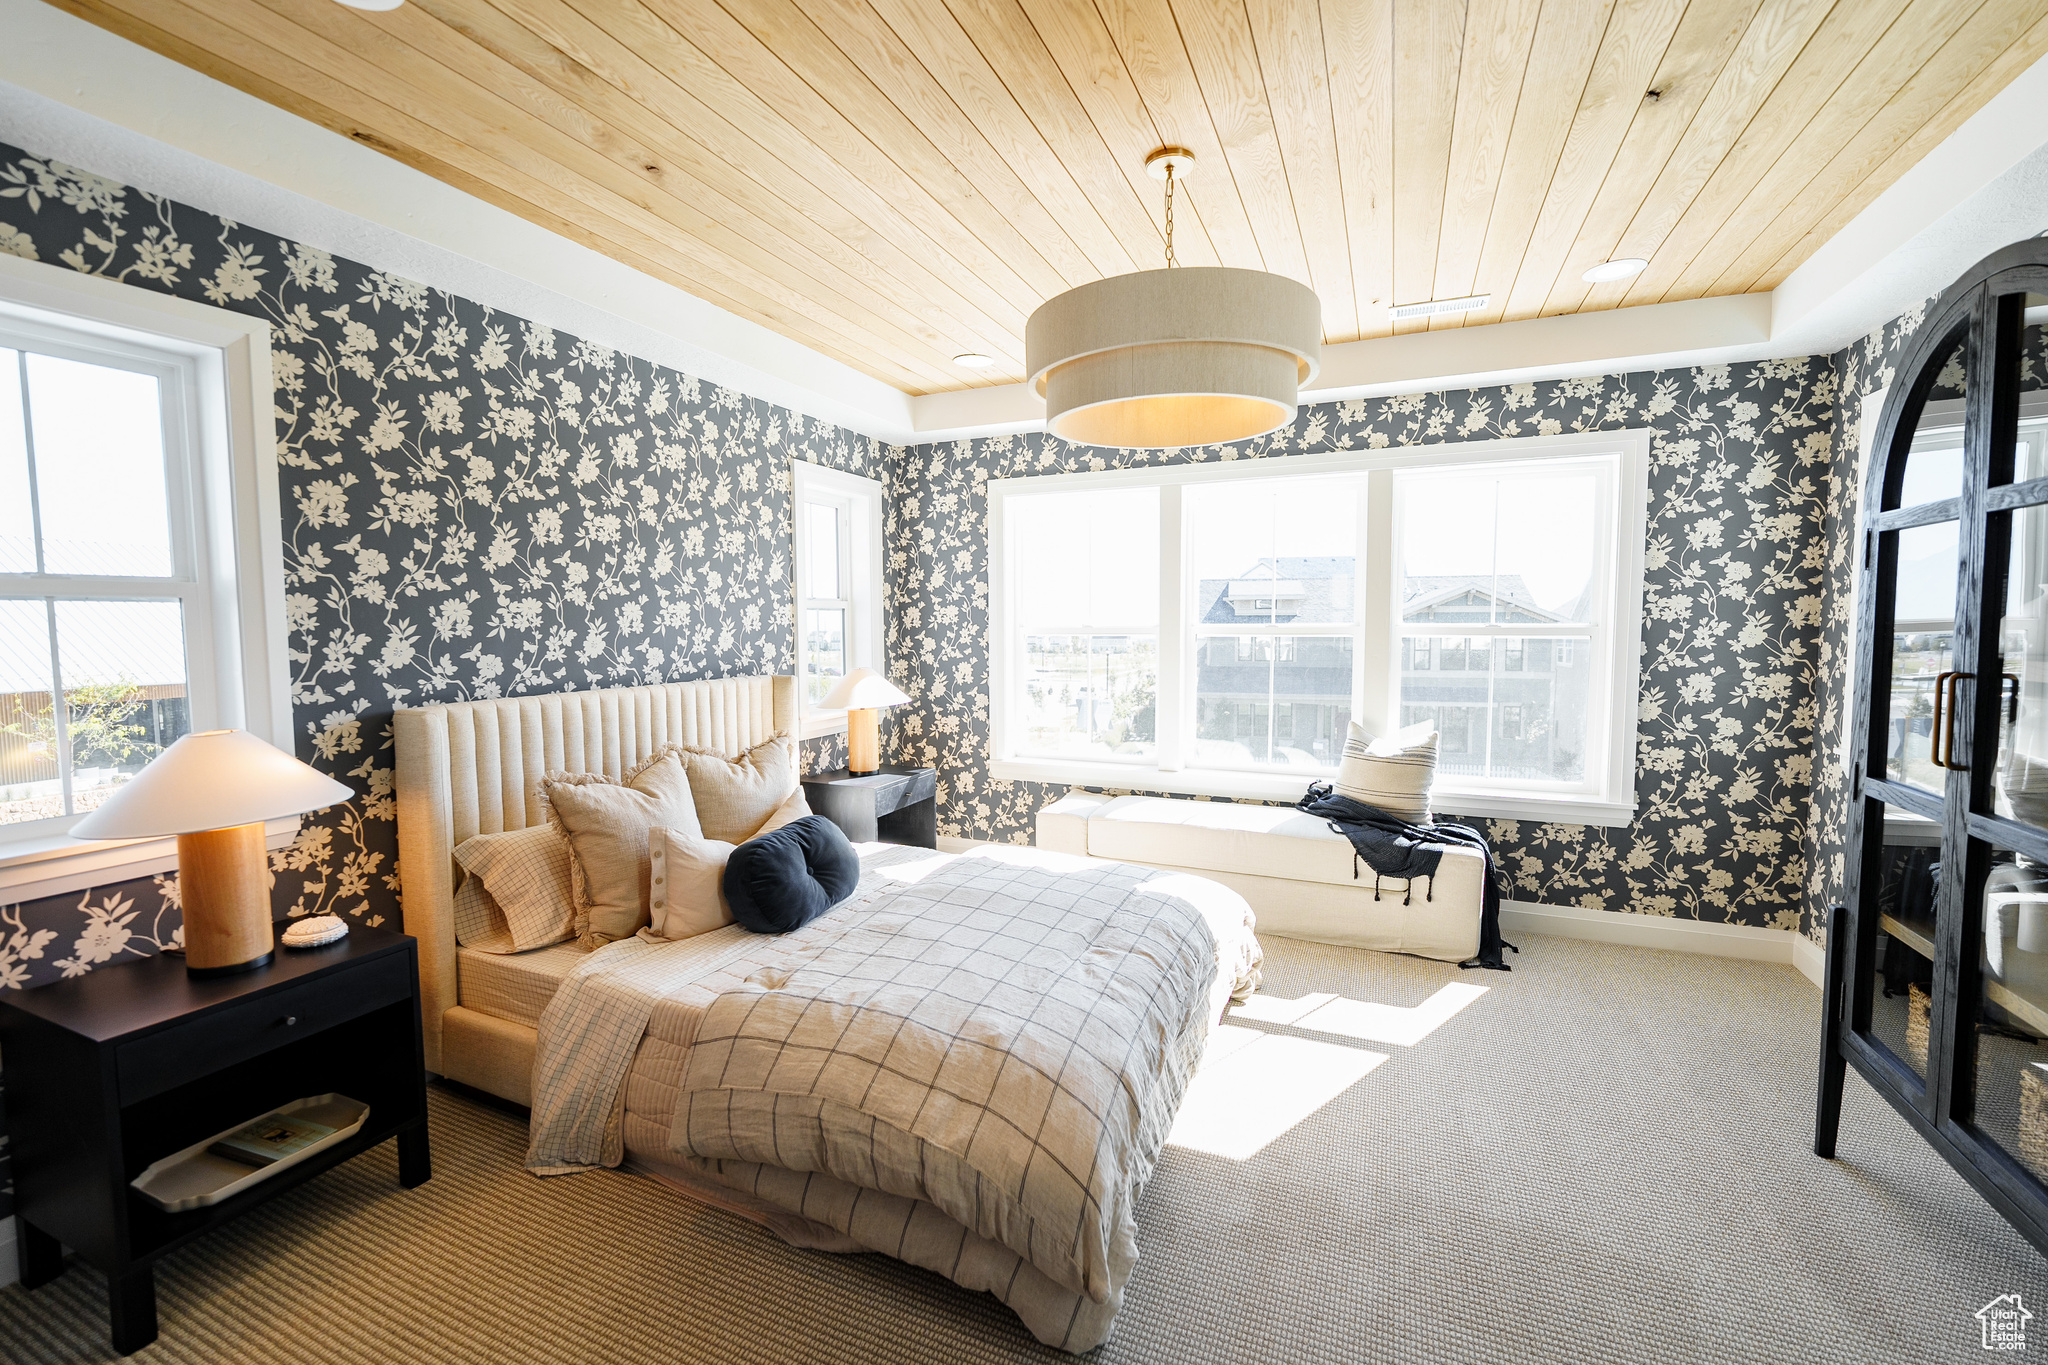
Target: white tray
[195, 1177]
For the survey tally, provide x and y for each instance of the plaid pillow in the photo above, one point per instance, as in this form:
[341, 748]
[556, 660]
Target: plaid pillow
[522, 878]
[1394, 773]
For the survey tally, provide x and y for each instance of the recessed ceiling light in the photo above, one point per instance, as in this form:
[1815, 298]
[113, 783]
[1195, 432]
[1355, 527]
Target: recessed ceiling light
[1435, 306]
[974, 360]
[1607, 272]
[373, 4]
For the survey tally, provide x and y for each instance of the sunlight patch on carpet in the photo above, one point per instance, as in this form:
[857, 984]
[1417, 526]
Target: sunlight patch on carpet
[1253, 1087]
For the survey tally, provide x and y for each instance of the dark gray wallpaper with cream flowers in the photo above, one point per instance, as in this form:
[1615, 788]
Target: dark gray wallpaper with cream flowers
[473, 505]
[1738, 490]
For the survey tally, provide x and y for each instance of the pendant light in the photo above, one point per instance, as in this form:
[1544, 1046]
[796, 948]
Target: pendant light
[1180, 356]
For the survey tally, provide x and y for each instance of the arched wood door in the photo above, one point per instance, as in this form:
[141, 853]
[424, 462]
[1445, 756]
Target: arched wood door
[1938, 966]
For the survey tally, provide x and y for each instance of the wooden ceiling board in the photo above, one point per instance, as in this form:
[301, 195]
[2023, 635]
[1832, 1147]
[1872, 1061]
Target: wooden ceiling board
[1770, 48]
[1094, 72]
[583, 62]
[1633, 46]
[1358, 44]
[1428, 38]
[1926, 106]
[1745, 179]
[1556, 86]
[896, 181]
[1288, 38]
[1499, 36]
[1701, 51]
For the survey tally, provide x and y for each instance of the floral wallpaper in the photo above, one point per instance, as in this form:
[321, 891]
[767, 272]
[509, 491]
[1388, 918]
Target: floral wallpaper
[474, 505]
[1739, 491]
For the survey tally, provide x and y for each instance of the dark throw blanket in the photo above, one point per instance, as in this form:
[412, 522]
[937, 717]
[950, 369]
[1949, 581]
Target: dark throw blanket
[1392, 847]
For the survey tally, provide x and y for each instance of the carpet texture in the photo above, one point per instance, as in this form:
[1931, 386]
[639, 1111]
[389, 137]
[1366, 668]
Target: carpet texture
[1604, 1158]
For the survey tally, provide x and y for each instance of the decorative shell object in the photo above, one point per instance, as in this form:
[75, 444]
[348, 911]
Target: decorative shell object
[319, 929]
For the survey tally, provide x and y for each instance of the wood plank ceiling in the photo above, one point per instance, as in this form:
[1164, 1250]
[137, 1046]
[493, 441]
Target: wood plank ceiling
[893, 182]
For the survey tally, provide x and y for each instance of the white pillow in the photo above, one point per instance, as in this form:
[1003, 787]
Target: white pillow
[1394, 773]
[686, 884]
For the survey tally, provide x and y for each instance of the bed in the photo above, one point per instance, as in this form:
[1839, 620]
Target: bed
[670, 1057]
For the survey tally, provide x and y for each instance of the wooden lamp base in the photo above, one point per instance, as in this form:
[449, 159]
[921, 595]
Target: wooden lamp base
[224, 881]
[863, 741]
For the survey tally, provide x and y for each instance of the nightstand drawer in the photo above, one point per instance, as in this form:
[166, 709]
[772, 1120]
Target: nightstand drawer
[168, 1058]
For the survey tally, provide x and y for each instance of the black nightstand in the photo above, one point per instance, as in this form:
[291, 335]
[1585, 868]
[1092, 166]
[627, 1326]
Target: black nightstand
[111, 1071]
[895, 805]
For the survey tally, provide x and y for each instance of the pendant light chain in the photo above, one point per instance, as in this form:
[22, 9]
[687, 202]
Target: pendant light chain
[1170, 261]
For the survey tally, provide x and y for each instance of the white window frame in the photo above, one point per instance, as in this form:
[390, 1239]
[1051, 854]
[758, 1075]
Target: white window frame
[228, 548]
[1608, 797]
[860, 582]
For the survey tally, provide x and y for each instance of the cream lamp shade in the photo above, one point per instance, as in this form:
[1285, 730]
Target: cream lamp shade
[863, 689]
[860, 694]
[211, 780]
[214, 790]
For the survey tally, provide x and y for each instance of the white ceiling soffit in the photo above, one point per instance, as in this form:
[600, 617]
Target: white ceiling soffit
[71, 90]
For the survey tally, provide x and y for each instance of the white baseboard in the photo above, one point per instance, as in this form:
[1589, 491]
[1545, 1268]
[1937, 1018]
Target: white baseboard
[1659, 931]
[1810, 958]
[10, 1263]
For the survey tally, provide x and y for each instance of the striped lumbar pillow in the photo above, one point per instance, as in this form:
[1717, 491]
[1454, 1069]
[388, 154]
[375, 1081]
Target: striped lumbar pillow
[1393, 774]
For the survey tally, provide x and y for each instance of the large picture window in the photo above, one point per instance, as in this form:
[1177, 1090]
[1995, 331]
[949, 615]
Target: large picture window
[1216, 629]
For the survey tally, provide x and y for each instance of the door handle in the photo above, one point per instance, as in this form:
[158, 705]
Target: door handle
[1941, 744]
[2012, 705]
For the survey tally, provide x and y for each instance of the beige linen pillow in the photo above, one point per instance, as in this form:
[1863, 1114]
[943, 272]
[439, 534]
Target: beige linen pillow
[736, 797]
[686, 895]
[1394, 773]
[607, 824]
[524, 876]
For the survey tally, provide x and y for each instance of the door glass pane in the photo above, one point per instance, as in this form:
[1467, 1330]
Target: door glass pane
[2005, 1020]
[17, 514]
[1271, 552]
[2031, 461]
[99, 461]
[1934, 464]
[824, 651]
[1505, 707]
[821, 549]
[1271, 701]
[1908, 890]
[1089, 696]
[1923, 648]
[30, 787]
[123, 667]
[2020, 782]
[1499, 548]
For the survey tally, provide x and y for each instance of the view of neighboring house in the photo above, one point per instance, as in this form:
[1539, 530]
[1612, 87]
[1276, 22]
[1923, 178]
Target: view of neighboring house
[1504, 706]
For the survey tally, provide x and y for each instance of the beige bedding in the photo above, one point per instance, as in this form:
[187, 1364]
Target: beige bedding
[917, 1201]
[515, 986]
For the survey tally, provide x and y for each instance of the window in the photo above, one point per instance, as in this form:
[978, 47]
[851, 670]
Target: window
[838, 586]
[141, 573]
[1216, 629]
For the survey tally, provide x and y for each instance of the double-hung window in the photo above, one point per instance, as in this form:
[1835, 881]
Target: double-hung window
[1217, 629]
[141, 584]
[839, 586]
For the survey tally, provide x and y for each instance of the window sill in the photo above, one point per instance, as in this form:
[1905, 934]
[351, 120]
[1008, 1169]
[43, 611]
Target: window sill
[56, 864]
[1573, 810]
[818, 724]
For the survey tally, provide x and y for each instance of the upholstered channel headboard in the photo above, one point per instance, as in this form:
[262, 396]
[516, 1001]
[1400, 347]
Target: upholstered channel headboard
[474, 767]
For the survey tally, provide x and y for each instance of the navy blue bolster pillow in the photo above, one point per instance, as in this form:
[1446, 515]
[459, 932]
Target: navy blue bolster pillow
[788, 877]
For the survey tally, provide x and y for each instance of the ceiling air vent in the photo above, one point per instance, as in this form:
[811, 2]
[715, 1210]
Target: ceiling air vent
[1435, 306]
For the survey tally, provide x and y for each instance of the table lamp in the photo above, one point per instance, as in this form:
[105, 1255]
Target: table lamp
[861, 694]
[214, 790]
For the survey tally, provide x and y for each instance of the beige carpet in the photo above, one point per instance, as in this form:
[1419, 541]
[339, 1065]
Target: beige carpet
[1604, 1158]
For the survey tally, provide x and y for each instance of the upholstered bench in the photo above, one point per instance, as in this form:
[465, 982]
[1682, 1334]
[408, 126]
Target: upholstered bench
[1295, 870]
